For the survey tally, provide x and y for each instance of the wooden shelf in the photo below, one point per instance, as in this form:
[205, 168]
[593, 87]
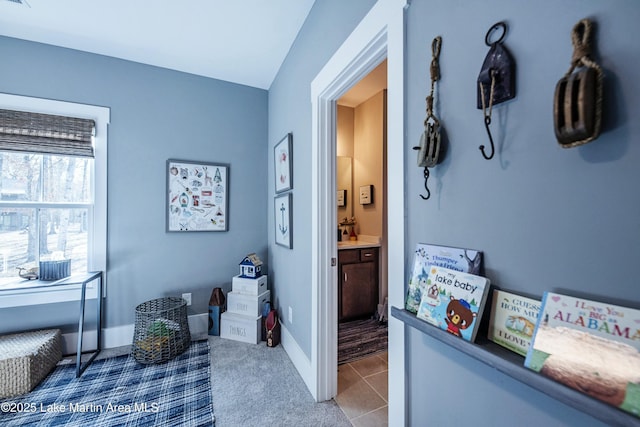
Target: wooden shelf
[512, 364]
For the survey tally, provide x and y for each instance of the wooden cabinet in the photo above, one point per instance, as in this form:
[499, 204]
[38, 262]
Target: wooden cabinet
[357, 283]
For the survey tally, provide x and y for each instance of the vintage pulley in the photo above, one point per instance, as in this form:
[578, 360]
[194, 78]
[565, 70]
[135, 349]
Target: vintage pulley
[577, 103]
[430, 147]
[496, 81]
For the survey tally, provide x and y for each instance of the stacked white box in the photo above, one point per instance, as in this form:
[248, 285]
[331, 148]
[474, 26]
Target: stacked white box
[242, 320]
[240, 328]
[247, 305]
[246, 285]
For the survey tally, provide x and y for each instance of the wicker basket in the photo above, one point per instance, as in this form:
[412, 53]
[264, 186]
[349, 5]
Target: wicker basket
[26, 358]
[161, 330]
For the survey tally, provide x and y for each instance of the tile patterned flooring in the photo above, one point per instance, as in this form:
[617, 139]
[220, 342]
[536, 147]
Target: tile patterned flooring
[363, 391]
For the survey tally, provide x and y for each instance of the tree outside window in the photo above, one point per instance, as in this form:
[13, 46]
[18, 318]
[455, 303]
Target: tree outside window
[45, 205]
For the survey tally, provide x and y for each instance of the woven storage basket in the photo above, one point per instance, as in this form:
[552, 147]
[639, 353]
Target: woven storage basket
[161, 330]
[26, 358]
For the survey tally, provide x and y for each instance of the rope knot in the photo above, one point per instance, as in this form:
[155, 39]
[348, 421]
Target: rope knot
[581, 40]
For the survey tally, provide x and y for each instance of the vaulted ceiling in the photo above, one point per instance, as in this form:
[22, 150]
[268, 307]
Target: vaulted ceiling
[242, 42]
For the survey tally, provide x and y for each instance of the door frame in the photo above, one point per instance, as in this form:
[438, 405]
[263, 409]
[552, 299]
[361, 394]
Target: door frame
[379, 35]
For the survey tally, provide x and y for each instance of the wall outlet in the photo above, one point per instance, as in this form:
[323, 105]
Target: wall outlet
[187, 298]
[290, 315]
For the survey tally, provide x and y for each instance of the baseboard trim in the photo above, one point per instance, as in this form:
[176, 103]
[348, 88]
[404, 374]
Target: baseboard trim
[300, 361]
[119, 336]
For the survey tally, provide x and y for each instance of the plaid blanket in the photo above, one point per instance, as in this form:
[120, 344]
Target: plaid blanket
[120, 392]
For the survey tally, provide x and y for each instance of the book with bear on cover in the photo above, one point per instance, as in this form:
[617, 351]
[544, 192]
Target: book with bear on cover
[512, 321]
[590, 346]
[426, 255]
[454, 301]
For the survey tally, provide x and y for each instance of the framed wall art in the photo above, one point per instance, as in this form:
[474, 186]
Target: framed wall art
[366, 194]
[283, 220]
[197, 196]
[283, 165]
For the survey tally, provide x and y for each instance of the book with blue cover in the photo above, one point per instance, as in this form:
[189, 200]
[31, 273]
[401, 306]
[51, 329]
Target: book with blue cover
[454, 301]
[426, 255]
[591, 346]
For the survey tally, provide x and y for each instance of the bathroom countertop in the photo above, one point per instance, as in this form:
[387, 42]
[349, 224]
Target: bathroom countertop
[362, 242]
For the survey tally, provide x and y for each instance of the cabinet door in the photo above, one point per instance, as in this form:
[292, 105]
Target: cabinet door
[359, 290]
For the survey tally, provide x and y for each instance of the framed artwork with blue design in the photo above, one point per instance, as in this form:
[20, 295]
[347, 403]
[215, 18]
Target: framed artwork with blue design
[284, 220]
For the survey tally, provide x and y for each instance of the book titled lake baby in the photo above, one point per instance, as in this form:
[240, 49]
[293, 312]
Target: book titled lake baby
[454, 301]
[426, 255]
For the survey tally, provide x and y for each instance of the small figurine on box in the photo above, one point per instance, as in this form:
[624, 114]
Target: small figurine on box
[251, 266]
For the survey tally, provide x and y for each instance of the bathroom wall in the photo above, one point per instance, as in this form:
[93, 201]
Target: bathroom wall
[368, 161]
[366, 126]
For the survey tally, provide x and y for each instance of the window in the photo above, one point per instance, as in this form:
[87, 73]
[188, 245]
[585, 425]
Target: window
[52, 192]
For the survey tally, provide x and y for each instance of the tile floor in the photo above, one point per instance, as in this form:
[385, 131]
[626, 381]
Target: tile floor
[363, 391]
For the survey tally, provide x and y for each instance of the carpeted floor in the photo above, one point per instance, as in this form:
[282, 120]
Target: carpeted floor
[256, 385]
[118, 391]
[360, 338]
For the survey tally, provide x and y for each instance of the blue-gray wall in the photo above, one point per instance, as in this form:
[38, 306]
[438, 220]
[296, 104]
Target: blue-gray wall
[329, 23]
[156, 114]
[545, 217]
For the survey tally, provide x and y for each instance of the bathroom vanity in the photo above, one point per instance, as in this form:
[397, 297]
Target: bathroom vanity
[357, 280]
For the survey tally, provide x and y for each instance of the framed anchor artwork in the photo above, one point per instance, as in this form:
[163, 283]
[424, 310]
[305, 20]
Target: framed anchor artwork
[283, 219]
[197, 196]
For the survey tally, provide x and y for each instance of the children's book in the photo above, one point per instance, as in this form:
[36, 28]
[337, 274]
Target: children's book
[590, 346]
[513, 320]
[454, 301]
[460, 259]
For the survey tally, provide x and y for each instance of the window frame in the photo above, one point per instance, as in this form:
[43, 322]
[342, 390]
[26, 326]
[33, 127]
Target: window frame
[97, 238]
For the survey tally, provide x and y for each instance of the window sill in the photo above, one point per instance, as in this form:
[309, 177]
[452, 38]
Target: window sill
[38, 292]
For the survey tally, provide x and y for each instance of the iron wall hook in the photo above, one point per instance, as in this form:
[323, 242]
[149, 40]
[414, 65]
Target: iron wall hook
[496, 81]
[487, 122]
[426, 177]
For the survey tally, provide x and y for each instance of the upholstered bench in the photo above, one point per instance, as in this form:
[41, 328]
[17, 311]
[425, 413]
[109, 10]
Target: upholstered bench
[26, 358]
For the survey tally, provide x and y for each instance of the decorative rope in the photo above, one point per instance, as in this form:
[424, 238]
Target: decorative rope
[434, 70]
[434, 127]
[581, 41]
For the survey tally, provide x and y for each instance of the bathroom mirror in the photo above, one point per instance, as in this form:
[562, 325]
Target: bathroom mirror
[344, 175]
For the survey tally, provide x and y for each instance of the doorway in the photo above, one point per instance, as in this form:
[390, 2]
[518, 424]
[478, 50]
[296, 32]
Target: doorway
[362, 367]
[379, 35]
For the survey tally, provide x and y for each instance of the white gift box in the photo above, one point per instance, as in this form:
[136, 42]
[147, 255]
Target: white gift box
[246, 285]
[240, 328]
[248, 305]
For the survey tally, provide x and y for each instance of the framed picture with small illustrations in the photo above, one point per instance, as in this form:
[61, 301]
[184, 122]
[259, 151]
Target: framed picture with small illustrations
[197, 196]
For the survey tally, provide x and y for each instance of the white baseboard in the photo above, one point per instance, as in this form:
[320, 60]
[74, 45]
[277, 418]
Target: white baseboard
[119, 336]
[298, 358]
